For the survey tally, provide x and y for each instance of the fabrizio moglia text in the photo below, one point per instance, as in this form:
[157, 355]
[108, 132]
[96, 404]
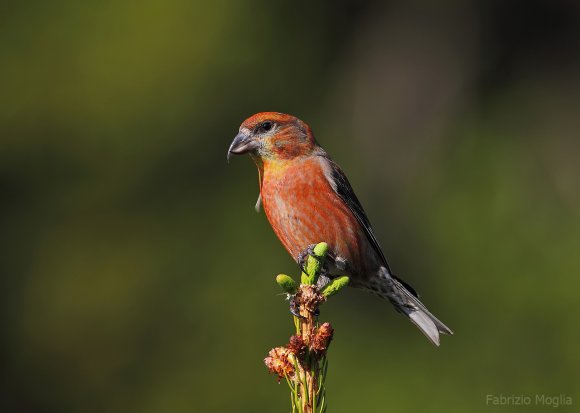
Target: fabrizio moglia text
[557, 400]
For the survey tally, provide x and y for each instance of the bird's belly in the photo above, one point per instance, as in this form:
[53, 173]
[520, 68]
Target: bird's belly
[308, 211]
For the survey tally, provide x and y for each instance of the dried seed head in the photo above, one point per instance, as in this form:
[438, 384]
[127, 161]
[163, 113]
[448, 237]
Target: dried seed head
[308, 297]
[321, 339]
[280, 363]
[297, 345]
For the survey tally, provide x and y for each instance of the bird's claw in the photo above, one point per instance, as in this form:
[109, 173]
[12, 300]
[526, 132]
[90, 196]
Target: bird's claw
[330, 259]
[303, 256]
[295, 307]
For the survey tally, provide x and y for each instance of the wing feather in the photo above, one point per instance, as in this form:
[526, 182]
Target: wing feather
[339, 182]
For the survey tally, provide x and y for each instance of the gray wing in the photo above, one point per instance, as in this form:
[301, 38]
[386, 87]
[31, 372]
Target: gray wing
[343, 189]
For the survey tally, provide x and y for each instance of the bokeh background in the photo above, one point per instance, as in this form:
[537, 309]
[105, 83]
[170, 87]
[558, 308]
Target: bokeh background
[136, 276]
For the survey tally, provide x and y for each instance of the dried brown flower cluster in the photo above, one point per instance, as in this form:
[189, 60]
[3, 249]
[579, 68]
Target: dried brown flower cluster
[309, 298]
[321, 339]
[297, 345]
[280, 363]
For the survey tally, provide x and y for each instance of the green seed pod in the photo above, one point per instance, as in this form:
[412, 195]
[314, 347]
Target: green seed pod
[287, 283]
[314, 264]
[335, 286]
[321, 249]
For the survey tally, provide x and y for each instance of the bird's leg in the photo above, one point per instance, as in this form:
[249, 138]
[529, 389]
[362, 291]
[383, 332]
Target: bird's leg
[330, 260]
[294, 306]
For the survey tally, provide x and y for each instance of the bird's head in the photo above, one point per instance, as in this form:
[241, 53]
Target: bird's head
[274, 136]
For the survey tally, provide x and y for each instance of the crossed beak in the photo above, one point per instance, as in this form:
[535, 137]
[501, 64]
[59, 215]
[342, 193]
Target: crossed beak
[242, 143]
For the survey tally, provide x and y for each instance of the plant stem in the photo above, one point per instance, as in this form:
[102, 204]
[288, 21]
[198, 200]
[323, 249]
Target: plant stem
[303, 361]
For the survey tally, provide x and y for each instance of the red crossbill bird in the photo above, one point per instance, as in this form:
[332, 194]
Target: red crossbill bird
[308, 199]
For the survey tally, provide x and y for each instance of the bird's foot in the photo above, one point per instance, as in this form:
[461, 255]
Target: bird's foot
[295, 307]
[309, 252]
[303, 256]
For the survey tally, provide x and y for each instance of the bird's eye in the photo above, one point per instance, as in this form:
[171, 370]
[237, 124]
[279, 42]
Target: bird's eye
[266, 126]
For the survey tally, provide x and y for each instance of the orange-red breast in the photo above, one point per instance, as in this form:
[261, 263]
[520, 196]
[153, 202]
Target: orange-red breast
[308, 199]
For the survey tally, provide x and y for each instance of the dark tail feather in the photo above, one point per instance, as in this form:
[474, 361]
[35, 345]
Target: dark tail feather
[405, 300]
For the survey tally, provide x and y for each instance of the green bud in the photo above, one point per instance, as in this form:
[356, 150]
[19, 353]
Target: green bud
[321, 249]
[335, 286]
[304, 278]
[287, 283]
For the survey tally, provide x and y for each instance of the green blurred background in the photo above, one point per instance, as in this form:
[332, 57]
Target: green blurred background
[136, 276]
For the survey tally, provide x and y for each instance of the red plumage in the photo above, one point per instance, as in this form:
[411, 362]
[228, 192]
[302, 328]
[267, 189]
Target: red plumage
[303, 209]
